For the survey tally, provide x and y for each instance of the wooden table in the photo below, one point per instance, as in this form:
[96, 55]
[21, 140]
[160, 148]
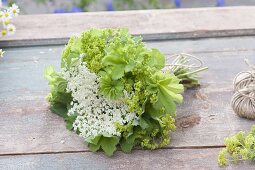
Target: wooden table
[31, 137]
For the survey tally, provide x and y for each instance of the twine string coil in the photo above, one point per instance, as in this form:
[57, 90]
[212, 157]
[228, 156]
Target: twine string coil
[243, 100]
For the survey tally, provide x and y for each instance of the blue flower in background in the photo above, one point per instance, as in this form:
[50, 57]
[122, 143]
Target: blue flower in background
[177, 3]
[73, 10]
[220, 3]
[109, 6]
[5, 2]
[60, 10]
[76, 9]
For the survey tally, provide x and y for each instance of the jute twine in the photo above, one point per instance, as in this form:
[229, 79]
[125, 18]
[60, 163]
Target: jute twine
[243, 100]
[187, 62]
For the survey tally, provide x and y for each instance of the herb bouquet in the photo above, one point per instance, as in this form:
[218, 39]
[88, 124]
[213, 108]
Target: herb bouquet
[112, 91]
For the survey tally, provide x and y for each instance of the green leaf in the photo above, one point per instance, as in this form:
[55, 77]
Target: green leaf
[93, 147]
[127, 144]
[117, 64]
[157, 60]
[109, 145]
[48, 71]
[110, 88]
[69, 121]
[59, 99]
[59, 109]
[117, 72]
[143, 123]
[167, 88]
[71, 60]
[113, 59]
[71, 53]
[96, 139]
[130, 66]
[152, 111]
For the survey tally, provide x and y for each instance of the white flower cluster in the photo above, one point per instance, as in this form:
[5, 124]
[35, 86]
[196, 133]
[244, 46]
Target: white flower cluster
[6, 14]
[96, 114]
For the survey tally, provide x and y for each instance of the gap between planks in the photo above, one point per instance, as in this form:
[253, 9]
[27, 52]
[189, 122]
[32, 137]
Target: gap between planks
[84, 151]
[148, 39]
[222, 50]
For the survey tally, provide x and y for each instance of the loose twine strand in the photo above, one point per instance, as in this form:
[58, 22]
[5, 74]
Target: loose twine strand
[182, 60]
[243, 100]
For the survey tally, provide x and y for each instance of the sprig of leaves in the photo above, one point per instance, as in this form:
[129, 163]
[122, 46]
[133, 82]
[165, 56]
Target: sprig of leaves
[239, 147]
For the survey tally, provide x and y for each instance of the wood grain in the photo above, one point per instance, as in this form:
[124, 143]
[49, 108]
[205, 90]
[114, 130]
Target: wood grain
[177, 159]
[151, 24]
[204, 119]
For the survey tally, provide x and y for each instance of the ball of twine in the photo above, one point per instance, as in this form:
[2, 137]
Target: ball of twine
[243, 100]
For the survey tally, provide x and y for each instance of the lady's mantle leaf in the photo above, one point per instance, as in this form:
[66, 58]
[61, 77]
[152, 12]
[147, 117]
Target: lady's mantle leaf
[128, 144]
[168, 89]
[108, 144]
[111, 88]
[157, 60]
[69, 121]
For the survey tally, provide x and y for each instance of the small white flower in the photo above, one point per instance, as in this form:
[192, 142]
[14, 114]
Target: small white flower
[1, 53]
[4, 32]
[11, 29]
[6, 23]
[7, 15]
[14, 10]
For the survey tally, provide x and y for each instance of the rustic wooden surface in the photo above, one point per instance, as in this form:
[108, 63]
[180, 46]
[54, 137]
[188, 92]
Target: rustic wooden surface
[31, 137]
[165, 159]
[151, 24]
[29, 130]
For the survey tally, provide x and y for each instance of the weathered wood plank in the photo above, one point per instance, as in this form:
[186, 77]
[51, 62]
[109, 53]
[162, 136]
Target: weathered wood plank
[202, 159]
[204, 119]
[151, 24]
[209, 45]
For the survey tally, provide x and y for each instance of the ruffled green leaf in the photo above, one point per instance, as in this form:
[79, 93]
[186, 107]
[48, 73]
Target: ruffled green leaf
[128, 144]
[71, 53]
[110, 88]
[118, 72]
[167, 88]
[157, 60]
[108, 144]
[59, 99]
